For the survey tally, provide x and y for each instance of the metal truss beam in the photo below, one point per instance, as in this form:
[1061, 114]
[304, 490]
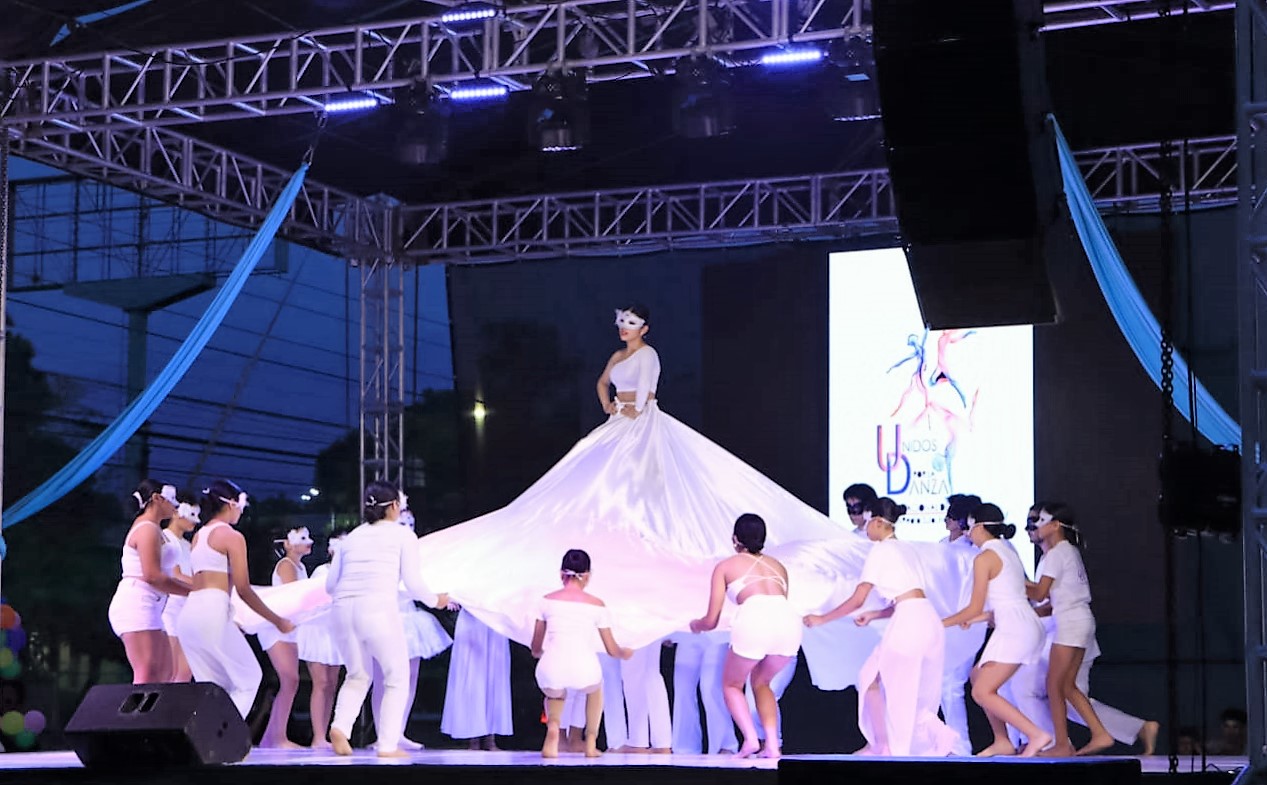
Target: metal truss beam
[1251, 34]
[205, 178]
[818, 206]
[290, 73]
[382, 374]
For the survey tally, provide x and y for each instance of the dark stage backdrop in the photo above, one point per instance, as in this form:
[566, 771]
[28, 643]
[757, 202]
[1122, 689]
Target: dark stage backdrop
[742, 339]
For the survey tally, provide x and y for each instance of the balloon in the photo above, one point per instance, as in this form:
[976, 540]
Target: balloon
[8, 617]
[11, 723]
[6, 657]
[24, 739]
[34, 721]
[11, 671]
[16, 639]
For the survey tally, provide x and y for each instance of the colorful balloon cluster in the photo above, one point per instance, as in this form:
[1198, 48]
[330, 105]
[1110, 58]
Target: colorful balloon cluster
[19, 729]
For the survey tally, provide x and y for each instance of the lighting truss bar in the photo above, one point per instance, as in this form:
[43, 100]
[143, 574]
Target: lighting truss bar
[705, 215]
[255, 76]
[206, 179]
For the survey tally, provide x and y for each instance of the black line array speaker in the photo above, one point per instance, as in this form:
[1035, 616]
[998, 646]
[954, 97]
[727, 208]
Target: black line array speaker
[129, 725]
[964, 102]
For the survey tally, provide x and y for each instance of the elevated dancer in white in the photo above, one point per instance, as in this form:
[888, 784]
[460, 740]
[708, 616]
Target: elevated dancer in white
[998, 594]
[369, 565]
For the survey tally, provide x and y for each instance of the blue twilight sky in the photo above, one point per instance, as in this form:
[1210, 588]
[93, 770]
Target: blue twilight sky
[301, 393]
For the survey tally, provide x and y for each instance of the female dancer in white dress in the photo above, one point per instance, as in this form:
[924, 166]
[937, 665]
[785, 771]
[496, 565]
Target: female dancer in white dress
[1062, 576]
[998, 594]
[642, 489]
[318, 649]
[369, 565]
[283, 650]
[565, 642]
[962, 645]
[424, 638]
[174, 538]
[216, 649]
[899, 686]
[136, 610]
[764, 637]
[477, 694]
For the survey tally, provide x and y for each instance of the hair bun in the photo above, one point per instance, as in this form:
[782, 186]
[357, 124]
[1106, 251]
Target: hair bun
[900, 510]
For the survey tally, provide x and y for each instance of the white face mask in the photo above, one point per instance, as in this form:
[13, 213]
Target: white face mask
[241, 502]
[168, 492]
[189, 512]
[299, 536]
[628, 320]
[407, 519]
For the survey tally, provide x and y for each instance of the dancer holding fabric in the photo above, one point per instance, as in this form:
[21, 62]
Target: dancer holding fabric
[283, 651]
[317, 648]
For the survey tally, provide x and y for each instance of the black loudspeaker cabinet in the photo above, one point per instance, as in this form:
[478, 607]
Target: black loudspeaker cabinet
[129, 725]
[972, 158]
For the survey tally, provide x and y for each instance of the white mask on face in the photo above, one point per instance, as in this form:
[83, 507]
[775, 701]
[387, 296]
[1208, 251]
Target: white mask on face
[628, 320]
[407, 519]
[189, 512]
[299, 536]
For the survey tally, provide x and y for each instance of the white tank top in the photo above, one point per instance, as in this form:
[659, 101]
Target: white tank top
[300, 569]
[1008, 587]
[175, 553]
[131, 561]
[204, 558]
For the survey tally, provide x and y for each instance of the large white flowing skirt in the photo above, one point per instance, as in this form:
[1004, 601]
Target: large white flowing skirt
[654, 504]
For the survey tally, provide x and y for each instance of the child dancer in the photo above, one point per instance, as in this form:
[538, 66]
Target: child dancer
[216, 649]
[899, 686]
[369, 565]
[317, 648]
[174, 540]
[283, 651]
[998, 592]
[563, 641]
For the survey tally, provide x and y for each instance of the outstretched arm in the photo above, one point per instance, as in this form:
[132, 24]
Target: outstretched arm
[538, 638]
[235, 548]
[1038, 592]
[847, 607]
[614, 649]
[716, 598]
[980, 584]
[149, 545]
[411, 573]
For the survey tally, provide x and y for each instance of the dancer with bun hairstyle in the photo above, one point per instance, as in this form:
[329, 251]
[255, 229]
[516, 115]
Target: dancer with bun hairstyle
[176, 553]
[292, 545]
[899, 686]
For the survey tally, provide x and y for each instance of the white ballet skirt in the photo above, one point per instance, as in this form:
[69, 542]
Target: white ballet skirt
[425, 636]
[654, 504]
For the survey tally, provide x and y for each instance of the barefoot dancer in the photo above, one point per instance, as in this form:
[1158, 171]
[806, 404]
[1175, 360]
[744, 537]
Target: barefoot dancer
[563, 640]
[765, 635]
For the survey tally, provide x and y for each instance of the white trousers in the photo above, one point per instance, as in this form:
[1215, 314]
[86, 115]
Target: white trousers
[1030, 691]
[614, 724]
[778, 685]
[370, 629]
[477, 695]
[647, 699]
[697, 669]
[216, 649]
[961, 653]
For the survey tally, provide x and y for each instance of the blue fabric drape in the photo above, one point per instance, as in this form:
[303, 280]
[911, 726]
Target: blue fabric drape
[139, 410]
[1134, 319]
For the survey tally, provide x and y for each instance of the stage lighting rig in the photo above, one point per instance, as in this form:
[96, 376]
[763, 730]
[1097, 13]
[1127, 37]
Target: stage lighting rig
[423, 137]
[560, 112]
[850, 91]
[703, 105]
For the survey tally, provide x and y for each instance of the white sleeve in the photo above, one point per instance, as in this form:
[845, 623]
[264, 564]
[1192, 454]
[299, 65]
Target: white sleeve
[411, 570]
[333, 572]
[876, 565]
[648, 376]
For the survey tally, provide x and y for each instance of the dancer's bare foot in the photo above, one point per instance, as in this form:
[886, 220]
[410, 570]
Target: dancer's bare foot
[998, 748]
[320, 745]
[551, 748]
[1065, 750]
[1148, 736]
[661, 750]
[1097, 745]
[473, 745]
[285, 744]
[396, 753]
[770, 751]
[490, 744]
[1035, 745]
[627, 750]
[409, 745]
[340, 742]
[576, 741]
[591, 747]
[748, 749]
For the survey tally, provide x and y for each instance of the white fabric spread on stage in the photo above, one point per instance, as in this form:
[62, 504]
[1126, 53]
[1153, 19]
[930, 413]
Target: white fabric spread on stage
[654, 504]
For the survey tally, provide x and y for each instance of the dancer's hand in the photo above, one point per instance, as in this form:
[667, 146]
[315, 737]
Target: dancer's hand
[812, 620]
[443, 601]
[697, 625]
[609, 407]
[630, 411]
[626, 652]
[536, 653]
[285, 626]
[865, 618]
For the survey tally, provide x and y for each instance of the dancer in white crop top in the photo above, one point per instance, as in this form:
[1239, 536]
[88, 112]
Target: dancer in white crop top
[136, 610]
[998, 593]
[216, 649]
[370, 564]
[283, 652]
[764, 637]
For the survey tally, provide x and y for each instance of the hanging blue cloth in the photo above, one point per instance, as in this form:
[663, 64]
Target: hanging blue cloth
[139, 410]
[1134, 319]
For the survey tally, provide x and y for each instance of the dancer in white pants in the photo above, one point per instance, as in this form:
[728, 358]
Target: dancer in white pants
[136, 610]
[998, 594]
[764, 637]
[1062, 576]
[646, 702]
[175, 538]
[477, 696]
[216, 649]
[697, 673]
[962, 644]
[283, 650]
[563, 641]
[615, 723]
[371, 562]
[899, 686]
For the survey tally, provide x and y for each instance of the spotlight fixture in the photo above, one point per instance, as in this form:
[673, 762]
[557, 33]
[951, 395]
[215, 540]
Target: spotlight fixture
[423, 137]
[702, 102]
[850, 91]
[799, 56]
[469, 12]
[561, 117]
